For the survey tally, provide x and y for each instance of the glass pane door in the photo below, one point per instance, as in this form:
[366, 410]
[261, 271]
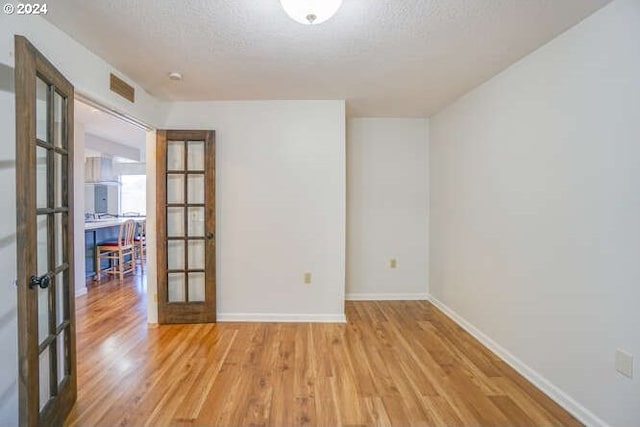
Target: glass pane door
[186, 226]
[44, 209]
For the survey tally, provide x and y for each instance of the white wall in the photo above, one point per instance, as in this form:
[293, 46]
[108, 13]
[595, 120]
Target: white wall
[150, 230]
[535, 211]
[387, 193]
[79, 195]
[280, 182]
[8, 307]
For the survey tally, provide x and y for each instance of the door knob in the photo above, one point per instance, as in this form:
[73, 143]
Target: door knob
[43, 281]
[210, 236]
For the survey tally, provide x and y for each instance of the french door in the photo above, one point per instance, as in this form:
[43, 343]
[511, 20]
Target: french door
[186, 226]
[44, 204]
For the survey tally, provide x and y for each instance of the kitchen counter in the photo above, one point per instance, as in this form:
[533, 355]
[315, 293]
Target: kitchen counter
[108, 222]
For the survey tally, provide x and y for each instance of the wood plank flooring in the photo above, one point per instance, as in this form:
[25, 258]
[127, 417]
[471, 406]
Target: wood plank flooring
[394, 363]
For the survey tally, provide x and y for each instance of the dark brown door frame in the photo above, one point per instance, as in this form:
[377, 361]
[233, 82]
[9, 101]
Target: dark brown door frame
[31, 64]
[194, 312]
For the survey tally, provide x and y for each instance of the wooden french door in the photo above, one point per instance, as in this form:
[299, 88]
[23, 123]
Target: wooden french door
[186, 226]
[44, 204]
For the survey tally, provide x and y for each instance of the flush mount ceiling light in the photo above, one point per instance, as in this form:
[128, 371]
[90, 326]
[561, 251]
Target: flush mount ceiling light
[310, 12]
[175, 76]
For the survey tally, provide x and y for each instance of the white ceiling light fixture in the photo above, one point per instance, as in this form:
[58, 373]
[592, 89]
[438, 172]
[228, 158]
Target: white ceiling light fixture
[175, 76]
[310, 12]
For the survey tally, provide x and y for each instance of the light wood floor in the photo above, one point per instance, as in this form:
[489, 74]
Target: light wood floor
[393, 363]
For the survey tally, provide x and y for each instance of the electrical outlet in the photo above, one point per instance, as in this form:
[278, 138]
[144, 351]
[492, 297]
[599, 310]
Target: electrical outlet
[307, 278]
[393, 263]
[624, 363]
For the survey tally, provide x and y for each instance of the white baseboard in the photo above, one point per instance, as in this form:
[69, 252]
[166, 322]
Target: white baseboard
[81, 291]
[560, 397]
[387, 297]
[278, 317]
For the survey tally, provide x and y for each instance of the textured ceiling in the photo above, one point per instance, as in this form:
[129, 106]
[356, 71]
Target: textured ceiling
[385, 57]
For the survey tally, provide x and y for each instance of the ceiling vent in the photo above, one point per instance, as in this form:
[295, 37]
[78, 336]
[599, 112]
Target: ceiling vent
[122, 88]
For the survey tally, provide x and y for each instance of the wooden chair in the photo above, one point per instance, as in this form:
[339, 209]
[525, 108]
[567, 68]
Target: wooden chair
[118, 252]
[141, 242]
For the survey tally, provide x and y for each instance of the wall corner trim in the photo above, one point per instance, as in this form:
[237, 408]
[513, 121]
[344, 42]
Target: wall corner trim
[387, 297]
[547, 387]
[281, 317]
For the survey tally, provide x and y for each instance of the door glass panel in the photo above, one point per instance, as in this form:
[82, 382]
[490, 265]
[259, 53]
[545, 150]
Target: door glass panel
[195, 159]
[196, 222]
[58, 104]
[41, 109]
[45, 390]
[175, 222]
[196, 287]
[61, 354]
[43, 245]
[43, 314]
[187, 186]
[60, 259]
[195, 188]
[175, 188]
[175, 254]
[176, 287]
[196, 254]
[61, 287]
[58, 189]
[175, 155]
[41, 177]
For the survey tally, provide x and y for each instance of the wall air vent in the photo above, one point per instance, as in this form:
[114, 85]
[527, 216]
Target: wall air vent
[122, 88]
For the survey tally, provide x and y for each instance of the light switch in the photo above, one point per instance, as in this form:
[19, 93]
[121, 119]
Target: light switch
[624, 363]
[307, 278]
[393, 263]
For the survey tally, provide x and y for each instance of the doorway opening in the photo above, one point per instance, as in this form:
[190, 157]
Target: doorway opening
[111, 169]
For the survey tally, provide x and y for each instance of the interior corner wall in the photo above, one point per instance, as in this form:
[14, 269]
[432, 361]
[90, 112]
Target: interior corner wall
[535, 211]
[280, 206]
[387, 208]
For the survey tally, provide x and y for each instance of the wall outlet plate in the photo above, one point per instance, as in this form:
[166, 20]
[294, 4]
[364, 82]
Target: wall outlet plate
[624, 363]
